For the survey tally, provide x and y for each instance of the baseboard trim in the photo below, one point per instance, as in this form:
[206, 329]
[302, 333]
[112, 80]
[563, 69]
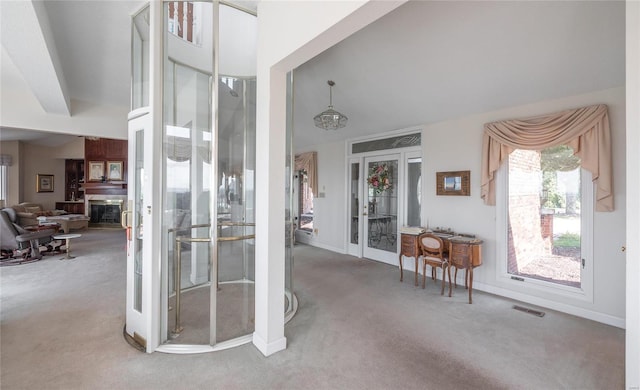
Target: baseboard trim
[323, 246]
[268, 349]
[546, 303]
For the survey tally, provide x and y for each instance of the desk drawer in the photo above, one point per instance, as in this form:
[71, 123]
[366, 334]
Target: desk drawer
[409, 245]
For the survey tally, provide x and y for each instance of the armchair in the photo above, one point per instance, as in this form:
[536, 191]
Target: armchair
[14, 240]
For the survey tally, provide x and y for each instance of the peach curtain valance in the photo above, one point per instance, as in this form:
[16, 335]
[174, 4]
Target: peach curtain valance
[308, 162]
[585, 130]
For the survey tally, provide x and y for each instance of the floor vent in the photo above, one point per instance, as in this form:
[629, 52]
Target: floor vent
[530, 311]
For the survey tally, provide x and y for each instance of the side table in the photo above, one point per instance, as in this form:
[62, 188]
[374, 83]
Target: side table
[409, 247]
[67, 238]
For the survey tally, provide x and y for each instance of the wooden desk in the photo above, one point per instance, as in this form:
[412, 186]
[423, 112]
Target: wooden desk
[409, 247]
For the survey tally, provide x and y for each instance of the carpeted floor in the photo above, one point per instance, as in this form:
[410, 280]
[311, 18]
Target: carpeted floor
[357, 327]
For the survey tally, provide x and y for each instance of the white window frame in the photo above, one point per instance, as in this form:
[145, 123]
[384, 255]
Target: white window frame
[538, 287]
[4, 182]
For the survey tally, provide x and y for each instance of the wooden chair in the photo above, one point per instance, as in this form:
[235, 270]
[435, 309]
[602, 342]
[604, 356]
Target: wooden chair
[460, 256]
[432, 249]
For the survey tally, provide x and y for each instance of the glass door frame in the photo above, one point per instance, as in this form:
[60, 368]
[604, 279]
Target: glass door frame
[403, 154]
[139, 323]
[355, 249]
[367, 251]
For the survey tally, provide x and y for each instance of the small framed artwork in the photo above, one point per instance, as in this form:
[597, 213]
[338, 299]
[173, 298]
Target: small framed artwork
[44, 183]
[96, 170]
[453, 183]
[114, 170]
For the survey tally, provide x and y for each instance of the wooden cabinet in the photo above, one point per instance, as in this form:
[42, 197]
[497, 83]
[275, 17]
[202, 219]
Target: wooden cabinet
[71, 207]
[409, 247]
[74, 180]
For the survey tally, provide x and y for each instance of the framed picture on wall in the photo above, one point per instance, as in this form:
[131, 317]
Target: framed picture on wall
[96, 170]
[44, 183]
[114, 170]
[453, 183]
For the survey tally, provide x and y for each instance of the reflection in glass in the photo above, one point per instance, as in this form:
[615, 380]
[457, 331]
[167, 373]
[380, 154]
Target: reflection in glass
[137, 242]
[383, 208]
[140, 59]
[414, 191]
[355, 208]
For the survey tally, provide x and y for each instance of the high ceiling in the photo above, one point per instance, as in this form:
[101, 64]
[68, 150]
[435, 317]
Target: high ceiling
[425, 62]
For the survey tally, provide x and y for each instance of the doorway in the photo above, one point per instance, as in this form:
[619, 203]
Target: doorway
[384, 191]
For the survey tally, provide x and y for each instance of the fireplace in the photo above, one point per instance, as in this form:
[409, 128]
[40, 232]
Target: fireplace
[105, 212]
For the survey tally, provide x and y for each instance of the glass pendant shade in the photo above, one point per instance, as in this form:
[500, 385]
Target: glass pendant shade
[330, 119]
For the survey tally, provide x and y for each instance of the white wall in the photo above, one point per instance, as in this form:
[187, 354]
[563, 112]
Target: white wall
[455, 145]
[328, 211]
[41, 160]
[632, 352]
[30, 160]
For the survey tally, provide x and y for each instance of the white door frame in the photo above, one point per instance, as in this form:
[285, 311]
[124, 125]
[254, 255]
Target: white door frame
[404, 154]
[355, 218]
[139, 323]
[367, 251]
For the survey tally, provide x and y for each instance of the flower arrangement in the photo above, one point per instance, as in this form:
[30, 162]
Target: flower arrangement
[379, 178]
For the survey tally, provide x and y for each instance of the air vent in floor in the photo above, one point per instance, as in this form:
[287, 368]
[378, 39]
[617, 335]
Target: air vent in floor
[530, 311]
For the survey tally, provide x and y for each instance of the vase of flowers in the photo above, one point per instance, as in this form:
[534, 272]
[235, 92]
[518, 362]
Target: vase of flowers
[379, 178]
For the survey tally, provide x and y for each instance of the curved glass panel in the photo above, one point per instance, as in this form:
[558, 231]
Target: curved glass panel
[140, 59]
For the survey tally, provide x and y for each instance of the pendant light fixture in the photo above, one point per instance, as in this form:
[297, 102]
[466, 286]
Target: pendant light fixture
[330, 119]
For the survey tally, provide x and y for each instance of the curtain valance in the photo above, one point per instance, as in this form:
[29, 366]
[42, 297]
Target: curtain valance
[308, 162]
[585, 130]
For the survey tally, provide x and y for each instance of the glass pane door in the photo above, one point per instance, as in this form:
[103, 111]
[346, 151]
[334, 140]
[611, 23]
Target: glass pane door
[381, 221]
[138, 266]
[356, 207]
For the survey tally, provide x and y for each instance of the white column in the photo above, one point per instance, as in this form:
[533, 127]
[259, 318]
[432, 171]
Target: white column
[270, 186]
[632, 360]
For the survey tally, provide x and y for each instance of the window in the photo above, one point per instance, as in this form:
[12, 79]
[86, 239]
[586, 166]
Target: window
[184, 18]
[3, 183]
[547, 202]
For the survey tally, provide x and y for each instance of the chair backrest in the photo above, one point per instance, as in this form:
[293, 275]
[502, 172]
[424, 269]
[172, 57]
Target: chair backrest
[8, 232]
[431, 245]
[460, 254]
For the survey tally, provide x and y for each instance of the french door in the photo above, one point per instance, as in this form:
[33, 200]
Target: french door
[380, 207]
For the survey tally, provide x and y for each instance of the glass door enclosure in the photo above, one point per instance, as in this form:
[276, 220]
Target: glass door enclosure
[204, 296]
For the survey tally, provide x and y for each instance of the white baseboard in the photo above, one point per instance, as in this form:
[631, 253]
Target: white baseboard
[546, 303]
[268, 349]
[533, 300]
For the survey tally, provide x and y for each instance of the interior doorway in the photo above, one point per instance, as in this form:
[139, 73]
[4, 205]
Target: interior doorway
[384, 189]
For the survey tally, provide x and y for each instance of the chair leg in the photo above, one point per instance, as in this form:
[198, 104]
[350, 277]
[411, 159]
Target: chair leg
[400, 260]
[443, 279]
[424, 273]
[449, 273]
[433, 273]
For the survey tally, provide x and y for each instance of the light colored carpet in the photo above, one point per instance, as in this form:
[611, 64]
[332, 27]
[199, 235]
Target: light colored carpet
[357, 327]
